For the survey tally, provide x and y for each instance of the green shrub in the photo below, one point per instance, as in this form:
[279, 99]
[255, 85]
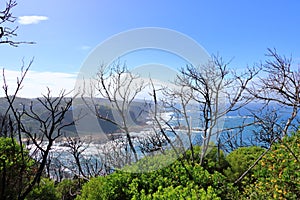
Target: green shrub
[68, 189]
[45, 190]
[215, 160]
[16, 168]
[278, 173]
[93, 189]
[114, 186]
[181, 179]
[191, 192]
[240, 160]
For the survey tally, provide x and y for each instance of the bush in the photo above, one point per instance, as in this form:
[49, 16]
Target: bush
[16, 168]
[45, 190]
[215, 160]
[68, 189]
[278, 173]
[92, 189]
[240, 160]
[180, 179]
[191, 192]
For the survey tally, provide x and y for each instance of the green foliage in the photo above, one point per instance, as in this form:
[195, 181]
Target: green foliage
[69, 188]
[215, 160]
[93, 189]
[44, 191]
[152, 163]
[16, 168]
[191, 192]
[277, 176]
[114, 186]
[180, 180]
[240, 160]
[278, 173]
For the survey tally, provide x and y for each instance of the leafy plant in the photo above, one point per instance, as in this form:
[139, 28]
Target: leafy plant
[278, 173]
[45, 190]
[68, 189]
[16, 168]
[240, 160]
[180, 180]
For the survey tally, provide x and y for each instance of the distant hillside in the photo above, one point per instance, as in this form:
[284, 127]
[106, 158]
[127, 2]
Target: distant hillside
[137, 112]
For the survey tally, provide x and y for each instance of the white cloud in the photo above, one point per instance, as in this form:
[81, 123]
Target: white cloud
[35, 83]
[85, 47]
[33, 19]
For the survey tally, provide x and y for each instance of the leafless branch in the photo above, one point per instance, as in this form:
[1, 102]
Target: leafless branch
[7, 33]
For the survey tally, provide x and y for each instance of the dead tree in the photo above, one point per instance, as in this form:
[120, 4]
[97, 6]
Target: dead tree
[279, 87]
[215, 91]
[81, 164]
[278, 91]
[119, 87]
[51, 124]
[76, 149]
[6, 33]
[51, 128]
[6, 126]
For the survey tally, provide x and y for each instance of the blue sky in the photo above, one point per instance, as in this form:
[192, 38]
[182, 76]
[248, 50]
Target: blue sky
[69, 30]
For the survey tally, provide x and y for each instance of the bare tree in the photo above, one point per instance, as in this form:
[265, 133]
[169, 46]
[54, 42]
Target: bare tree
[51, 125]
[280, 86]
[76, 148]
[152, 143]
[278, 92]
[81, 163]
[213, 91]
[6, 33]
[6, 126]
[51, 128]
[120, 87]
[235, 137]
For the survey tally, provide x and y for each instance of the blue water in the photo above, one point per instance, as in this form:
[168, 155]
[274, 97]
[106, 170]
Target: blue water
[233, 120]
[240, 124]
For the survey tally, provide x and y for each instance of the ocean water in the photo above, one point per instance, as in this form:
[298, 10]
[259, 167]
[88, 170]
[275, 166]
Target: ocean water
[93, 154]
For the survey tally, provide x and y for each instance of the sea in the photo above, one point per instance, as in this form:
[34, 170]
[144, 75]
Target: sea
[240, 126]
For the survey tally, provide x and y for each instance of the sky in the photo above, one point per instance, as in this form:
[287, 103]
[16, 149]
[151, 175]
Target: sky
[66, 31]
